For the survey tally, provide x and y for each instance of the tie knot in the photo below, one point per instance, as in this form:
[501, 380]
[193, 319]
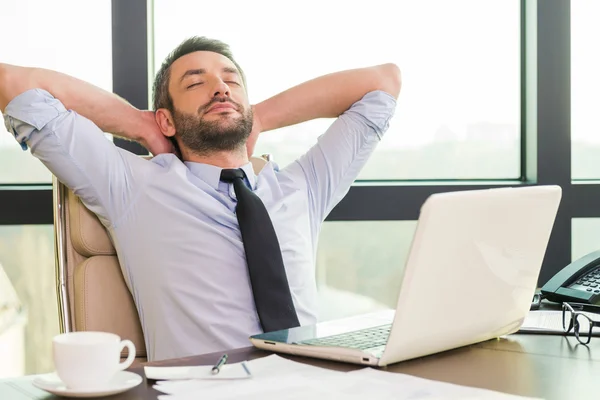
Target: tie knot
[229, 175]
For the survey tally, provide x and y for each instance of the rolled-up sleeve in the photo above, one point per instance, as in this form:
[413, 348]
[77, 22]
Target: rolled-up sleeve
[76, 151]
[30, 111]
[333, 163]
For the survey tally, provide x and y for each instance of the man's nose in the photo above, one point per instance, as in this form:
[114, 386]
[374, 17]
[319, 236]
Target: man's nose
[221, 89]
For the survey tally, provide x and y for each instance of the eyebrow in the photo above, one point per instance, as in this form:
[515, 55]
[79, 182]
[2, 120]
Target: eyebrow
[200, 71]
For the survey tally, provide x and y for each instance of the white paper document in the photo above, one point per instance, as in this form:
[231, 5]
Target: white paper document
[277, 377]
[401, 386]
[550, 322]
[228, 371]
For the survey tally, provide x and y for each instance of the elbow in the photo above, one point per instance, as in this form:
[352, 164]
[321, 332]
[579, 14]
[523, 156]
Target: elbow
[390, 79]
[13, 81]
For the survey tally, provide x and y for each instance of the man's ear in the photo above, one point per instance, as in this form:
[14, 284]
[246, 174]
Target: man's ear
[164, 119]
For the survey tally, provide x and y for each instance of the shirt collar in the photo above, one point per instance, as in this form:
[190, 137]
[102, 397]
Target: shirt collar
[212, 174]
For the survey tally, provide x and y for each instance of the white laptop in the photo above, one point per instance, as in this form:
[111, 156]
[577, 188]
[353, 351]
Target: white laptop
[470, 276]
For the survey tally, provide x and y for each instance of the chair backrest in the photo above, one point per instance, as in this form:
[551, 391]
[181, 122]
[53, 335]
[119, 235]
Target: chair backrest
[92, 294]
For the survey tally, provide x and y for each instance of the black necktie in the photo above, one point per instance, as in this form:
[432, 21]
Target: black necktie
[265, 264]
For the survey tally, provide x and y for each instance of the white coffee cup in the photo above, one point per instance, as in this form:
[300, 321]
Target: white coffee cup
[89, 360]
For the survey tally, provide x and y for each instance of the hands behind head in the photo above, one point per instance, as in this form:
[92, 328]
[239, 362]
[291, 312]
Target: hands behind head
[151, 136]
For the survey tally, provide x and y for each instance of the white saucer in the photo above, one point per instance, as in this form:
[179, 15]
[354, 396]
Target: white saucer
[122, 381]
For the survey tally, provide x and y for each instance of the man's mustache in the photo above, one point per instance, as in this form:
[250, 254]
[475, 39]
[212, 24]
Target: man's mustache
[215, 100]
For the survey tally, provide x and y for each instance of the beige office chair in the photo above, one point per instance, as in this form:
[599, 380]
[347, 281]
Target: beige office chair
[92, 294]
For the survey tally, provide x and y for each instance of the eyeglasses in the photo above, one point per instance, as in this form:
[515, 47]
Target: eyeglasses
[574, 318]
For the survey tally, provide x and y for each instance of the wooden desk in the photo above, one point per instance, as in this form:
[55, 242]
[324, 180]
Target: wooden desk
[550, 367]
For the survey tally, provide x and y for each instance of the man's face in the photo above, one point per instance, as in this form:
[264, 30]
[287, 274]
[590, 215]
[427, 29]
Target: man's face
[212, 112]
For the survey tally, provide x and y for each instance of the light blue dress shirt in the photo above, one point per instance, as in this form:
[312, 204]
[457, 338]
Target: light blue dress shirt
[173, 222]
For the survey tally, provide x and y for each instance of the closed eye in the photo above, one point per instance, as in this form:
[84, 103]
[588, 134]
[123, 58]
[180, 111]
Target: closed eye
[232, 82]
[195, 84]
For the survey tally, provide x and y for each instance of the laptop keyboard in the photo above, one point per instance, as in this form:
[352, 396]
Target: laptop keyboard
[362, 340]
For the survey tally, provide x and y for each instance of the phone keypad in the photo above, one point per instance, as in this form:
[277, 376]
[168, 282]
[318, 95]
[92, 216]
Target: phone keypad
[590, 282]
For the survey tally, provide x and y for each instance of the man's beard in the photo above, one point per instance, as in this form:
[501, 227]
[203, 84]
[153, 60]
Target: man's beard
[227, 133]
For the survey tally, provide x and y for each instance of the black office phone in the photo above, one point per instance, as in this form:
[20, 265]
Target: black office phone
[577, 282]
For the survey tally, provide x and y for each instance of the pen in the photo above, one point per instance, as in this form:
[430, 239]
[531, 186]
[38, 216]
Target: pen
[219, 364]
[245, 366]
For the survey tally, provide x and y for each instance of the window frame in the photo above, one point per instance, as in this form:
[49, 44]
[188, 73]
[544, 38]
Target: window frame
[545, 131]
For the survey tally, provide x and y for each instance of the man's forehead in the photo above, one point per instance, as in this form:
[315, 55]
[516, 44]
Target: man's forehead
[206, 60]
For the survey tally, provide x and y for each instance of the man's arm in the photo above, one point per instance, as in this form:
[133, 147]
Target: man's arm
[363, 100]
[70, 145]
[327, 96]
[106, 110]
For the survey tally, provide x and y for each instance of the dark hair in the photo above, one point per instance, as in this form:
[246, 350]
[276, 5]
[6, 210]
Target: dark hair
[162, 98]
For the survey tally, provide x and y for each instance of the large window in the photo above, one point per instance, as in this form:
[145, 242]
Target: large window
[459, 112]
[70, 36]
[585, 86]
